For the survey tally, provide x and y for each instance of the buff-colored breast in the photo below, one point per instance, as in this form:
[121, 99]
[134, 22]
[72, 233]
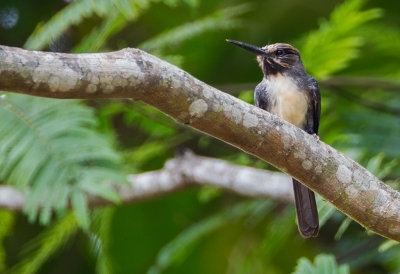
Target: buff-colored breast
[290, 103]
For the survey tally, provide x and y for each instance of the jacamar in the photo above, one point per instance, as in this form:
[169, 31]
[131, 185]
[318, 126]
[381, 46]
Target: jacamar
[289, 92]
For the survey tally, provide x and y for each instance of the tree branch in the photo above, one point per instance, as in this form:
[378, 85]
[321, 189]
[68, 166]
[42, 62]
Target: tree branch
[132, 73]
[180, 173]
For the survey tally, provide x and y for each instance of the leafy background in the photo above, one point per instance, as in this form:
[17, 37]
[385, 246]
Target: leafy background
[57, 150]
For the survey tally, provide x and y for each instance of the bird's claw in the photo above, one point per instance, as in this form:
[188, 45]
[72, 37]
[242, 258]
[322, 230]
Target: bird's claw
[315, 136]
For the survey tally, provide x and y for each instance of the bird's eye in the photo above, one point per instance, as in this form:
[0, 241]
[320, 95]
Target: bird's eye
[279, 52]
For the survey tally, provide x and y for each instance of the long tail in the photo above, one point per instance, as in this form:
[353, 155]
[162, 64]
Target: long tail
[306, 210]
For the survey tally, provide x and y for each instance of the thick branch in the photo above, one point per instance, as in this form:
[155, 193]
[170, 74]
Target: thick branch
[131, 73]
[180, 173]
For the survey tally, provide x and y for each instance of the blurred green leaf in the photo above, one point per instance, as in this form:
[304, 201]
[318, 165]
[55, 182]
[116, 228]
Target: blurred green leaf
[220, 20]
[342, 228]
[178, 249]
[278, 232]
[208, 193]
[386, 245]
[304, 266]
[381, 169]
[7, 221]
[45, 245]
[323, 264]
[78, 202]
[330, 48]
[247, 96]
[72, 14]
[101, 240]
[116, 14]
[116, 19]
[97, 38]
[325, 210]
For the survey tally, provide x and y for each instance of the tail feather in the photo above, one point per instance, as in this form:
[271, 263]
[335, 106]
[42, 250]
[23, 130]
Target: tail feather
[306, 210]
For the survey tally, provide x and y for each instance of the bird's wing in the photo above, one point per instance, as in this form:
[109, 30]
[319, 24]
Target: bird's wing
[316, 104]
[260, 96]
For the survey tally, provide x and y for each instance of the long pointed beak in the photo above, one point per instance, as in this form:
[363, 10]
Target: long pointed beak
[248, 47]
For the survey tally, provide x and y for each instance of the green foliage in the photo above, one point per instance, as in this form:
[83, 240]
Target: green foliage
[325, 210]
[323, 264]
[96, 39]
[220, 20]
[115, 20]
[178, 249]
[330, 48]
[116, 13]
[349, 37]
[278, 233]
[161, 133]
[386, 245]
[45, 245]
[209, 193]
[359, 121]
[379, 167]
[382, 44]
[7, 220]
[52, 152]
[364, 133]
[342, 228]
[100, 240]
[247, 96]
[72, 14]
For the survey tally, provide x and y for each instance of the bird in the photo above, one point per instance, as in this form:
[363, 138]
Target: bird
[287, 91]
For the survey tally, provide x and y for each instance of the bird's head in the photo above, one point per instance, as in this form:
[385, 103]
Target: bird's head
[274, 58]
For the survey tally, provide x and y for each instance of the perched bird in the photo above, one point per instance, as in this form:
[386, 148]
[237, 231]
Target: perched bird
[289, 92]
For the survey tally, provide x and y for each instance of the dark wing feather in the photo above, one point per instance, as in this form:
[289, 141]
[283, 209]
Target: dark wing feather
[316, 104]
[260, 96]
[306, 208]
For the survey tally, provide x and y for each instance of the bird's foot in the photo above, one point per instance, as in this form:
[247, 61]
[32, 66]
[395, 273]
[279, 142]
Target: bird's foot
[315, 136]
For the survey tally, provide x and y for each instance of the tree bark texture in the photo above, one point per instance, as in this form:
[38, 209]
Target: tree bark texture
[132, 73]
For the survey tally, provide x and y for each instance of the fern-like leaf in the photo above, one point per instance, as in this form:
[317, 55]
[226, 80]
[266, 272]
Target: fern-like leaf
[71, 15]
[128, 11]
[116, 14]
[51, 151]
[220, 20]
[323, 264]
[331, 47]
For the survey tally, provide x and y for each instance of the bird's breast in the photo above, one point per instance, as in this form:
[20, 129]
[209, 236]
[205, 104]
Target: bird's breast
[287, 99]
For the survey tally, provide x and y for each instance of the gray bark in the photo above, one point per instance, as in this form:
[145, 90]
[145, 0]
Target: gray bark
[131, 73]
